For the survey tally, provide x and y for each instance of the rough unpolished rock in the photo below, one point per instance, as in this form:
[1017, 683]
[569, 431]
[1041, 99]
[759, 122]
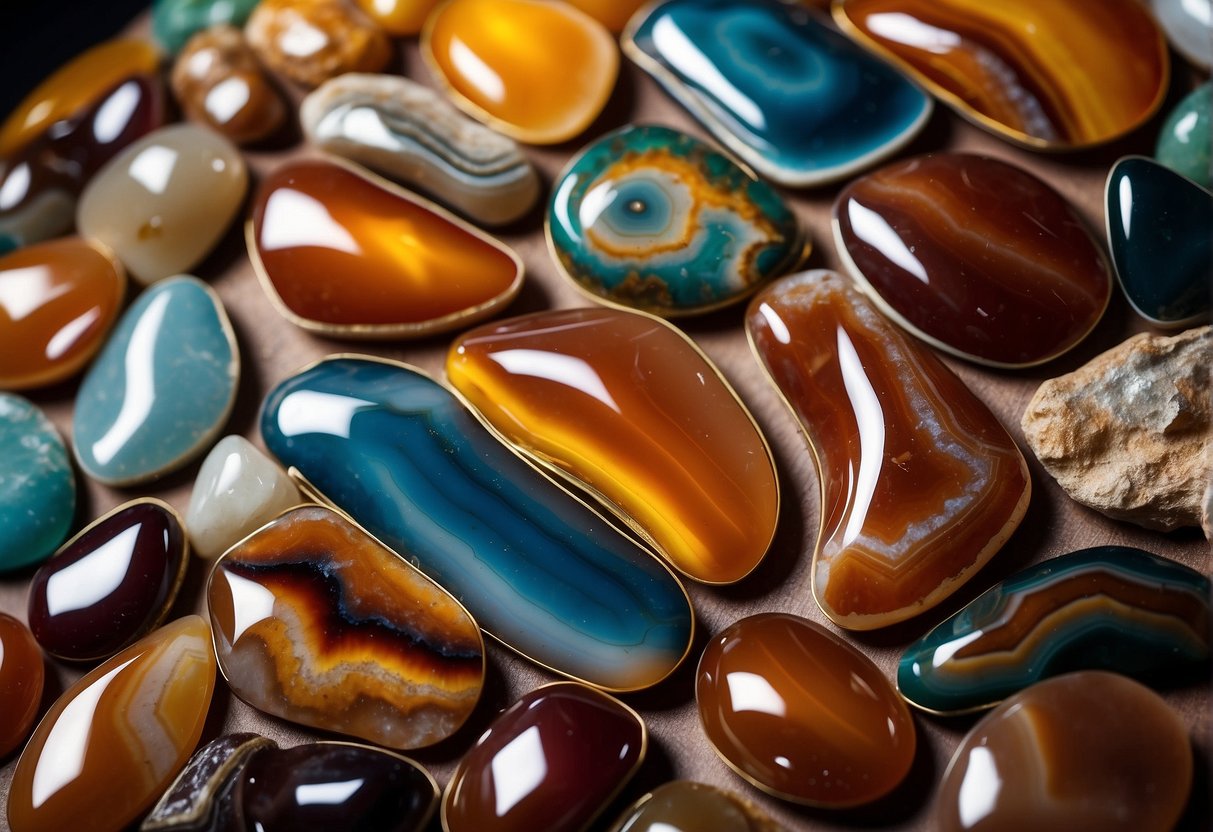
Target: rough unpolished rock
[1128, 434]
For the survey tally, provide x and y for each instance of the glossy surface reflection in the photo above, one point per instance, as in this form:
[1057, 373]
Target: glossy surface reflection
[398, 17]
[1185, 142]
[37, 484]
[22, 675]
[683, 806]
[200, 799]
[310, 41]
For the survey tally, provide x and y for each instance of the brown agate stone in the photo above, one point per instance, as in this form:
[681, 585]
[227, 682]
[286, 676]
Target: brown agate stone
[684, 806]
[311, 41]
[920, 484]
[21, 676]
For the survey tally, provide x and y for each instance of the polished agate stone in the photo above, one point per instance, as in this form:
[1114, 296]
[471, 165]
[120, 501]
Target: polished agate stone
[58, 301]
[628, 408]
[801, 714]
[1185, 142]
[976, 256]
[37, 485]
[537, 568]
[21, 677]
[317, 623]
[1011, 67]
[551, 761]
[537, 71]
[113, 742]
[200, 799]
[344, 254]
[920, 484]
[612, 14]
[1189, 26]
[161, 389]
[683, 806]
[310, 41]
[1089, 750]
[652, 218]
[410, 134]
[174, 22]
[792, 98]
[398, 17]
[1160, 233]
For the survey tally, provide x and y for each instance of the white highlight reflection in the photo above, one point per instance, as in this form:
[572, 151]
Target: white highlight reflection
[70, 333]
[865, 404]
[979, 791]
[686, 57]
[227, 98]
[874, 230]
[1126, 204]
[486, 81]
[751, 692]
[94, 578]
[16, 186]
[309, 411]
[327, 794]
[902, 28]
[153, 167]
[563, 369]
[115, 113]
[518, 769]
[596, 201]
[778, 328]
[251, 602]
[945, 652]
[296, 219]
[26, 290]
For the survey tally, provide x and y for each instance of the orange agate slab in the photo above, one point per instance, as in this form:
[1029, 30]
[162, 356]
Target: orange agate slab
[22, 675]
[628, 408]
[920, 483]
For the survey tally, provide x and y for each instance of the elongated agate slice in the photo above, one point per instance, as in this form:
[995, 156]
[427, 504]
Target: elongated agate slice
[626, 406]
[538, 569]
[1106, 608]
[920, 484]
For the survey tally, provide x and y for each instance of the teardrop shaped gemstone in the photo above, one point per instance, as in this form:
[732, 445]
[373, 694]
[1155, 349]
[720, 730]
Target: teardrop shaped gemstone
[538, 569]
[1185, 142]
[311, 41]
[317, 623]
[1010, 68]
[1088, 750]
[37, 485]
[796, 101]
[684, 806]
[201, 799]
[552, 761]
[22, 675]
[115, 740]
[1189, 26]
[801, 714]
[654, 219]
[975, 256]
[920, 484]
[626, 407]
[342, 253]
[161, 389]
[111, 584]
[176, 21]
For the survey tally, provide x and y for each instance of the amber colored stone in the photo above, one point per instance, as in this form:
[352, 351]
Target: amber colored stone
[311, 41]
[58, 301]
[535, 70]
[684, 806]
[627, 407]
[801, 714]
[115, 740]
[21, 677]
[398, 17]
[350, 254]
[1089, 751]
[1063, 74]
[920, 484]
[612, 14]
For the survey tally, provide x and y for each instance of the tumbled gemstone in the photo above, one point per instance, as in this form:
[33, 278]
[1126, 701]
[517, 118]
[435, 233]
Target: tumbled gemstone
[612, 14]
[200, 799]
[310, 41]
[551, 761]
[174, 22]
[792, 98]
[398, 17]
[21, 677]
[629, 409]
[114, 741]
[317, 623]
[537, 568]
[683, 806]
[58, 301]
[409, 133]
[1089, 750]
[1160, 233]
[161, 389]
[538, 71]
[1010, 67]
[920, 484]
[652, 218]
[342, 253]
[975, 256]
[1185, 142]
[163, 203]
[237, 491]
[1107, 608]
[801, 714]
[37, 485]
[1189, 26]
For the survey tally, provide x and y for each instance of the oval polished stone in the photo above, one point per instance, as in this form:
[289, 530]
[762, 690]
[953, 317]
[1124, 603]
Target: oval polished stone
[1185, 142]
[398, 17]
[626, 407]
[920, 484]
[37, 485]
[793, 99]
[1189, 26]
[343, 253]
[1085, 751]
[58, 301]
[174, 22]
[161, 389]
[1010, 67]
[801, 714]
[113, 742]
[553, 761]
[537, 568]
[683, 806]
[310, 41]
[537, 71]
[1158, 225]
[317, 623]
[976, 256]
[22, 674]
[200, 799]
[651, 218]
[410, 134]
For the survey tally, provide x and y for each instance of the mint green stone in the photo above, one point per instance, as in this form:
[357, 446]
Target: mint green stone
[1184, 143]
[37, 486]
[175, 21]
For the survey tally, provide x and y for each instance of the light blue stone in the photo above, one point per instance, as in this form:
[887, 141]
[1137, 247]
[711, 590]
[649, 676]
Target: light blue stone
[161, 389]
[37, 485]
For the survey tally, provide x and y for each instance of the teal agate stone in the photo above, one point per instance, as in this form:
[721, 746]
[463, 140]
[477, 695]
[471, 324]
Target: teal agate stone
[1160, 233]
[175, 21]
[161, 389]
[536, 568]
[1107, 608]
[797, 101]
[37, 485]
[1186, 139]
[651, 218]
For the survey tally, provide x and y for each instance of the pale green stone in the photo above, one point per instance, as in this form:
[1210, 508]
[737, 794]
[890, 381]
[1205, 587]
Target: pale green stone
[1184, 143]
[37, 485]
